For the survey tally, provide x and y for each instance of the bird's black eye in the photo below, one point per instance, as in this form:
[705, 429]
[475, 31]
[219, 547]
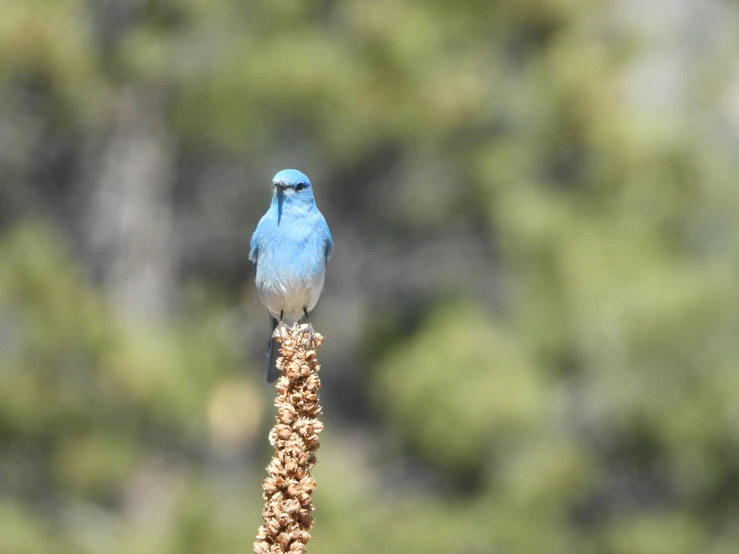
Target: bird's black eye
[299, 186]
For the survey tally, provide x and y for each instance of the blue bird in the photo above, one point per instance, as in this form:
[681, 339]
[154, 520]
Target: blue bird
[289, 249]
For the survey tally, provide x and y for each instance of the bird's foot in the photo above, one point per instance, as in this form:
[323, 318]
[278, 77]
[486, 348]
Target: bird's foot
[312, 340]
[278, 331]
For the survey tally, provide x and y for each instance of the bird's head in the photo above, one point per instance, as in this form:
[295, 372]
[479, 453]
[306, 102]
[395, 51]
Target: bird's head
[293, 185]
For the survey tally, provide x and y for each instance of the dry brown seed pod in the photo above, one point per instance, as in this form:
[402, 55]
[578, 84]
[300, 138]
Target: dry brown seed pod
[308, 484]
[283, 539]
[272, 527]
[292, 506]
[283, 519]
[283, 431]
[269, 485]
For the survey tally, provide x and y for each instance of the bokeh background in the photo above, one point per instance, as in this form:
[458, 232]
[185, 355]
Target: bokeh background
[531, 317]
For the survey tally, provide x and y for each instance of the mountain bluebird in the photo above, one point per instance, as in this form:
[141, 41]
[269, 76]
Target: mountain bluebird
[289, 249]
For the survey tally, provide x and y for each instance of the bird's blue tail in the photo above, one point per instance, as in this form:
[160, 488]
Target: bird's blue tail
[272, 372]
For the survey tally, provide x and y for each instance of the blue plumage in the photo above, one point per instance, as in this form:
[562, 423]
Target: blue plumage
[289, 249]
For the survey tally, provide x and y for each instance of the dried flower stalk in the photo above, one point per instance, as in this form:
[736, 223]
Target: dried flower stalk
[288, 489]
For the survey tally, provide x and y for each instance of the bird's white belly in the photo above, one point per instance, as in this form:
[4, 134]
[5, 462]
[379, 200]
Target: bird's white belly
[291, 298]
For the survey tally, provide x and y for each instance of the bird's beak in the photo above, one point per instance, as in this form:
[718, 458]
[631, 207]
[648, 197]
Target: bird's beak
[279, 186]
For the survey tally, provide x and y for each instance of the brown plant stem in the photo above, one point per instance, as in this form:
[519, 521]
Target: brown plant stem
[287, 491]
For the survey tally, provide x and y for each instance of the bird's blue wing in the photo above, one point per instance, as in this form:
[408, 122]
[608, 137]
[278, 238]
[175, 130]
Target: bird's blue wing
[254, 248]
[256, 242]
[329, 241]
[254, 253]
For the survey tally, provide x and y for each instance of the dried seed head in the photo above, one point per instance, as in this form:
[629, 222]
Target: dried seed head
[288, 488]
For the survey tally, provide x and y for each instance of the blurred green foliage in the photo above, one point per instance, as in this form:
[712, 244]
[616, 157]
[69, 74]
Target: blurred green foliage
[592, 407]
